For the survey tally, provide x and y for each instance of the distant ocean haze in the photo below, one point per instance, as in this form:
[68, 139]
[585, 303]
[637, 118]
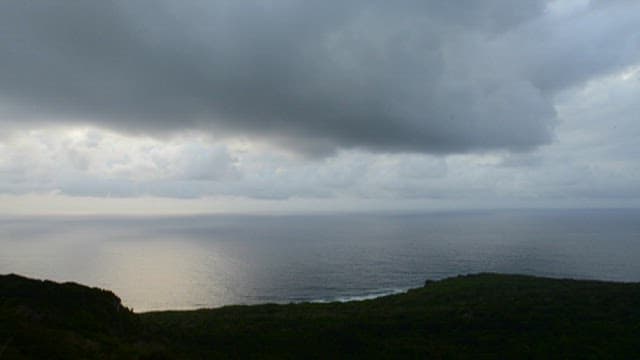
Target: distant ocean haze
[157, 263]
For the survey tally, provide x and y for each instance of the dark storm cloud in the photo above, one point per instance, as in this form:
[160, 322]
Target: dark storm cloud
[426, 76]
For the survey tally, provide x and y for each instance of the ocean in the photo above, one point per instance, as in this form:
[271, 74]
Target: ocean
[186, 262]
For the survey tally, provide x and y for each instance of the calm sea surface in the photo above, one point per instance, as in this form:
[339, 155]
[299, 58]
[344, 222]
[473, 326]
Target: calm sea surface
[207, 261]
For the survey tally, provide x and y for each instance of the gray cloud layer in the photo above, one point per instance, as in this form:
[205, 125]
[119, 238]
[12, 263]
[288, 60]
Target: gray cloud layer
[426, 76]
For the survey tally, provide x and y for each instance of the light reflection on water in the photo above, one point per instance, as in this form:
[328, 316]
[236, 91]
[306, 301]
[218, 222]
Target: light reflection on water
[208, 261]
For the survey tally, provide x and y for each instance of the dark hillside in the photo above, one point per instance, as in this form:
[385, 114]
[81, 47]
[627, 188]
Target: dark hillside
[48, 320]
[476, 316]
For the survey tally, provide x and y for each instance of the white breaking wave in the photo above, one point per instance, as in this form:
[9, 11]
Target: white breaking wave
[368, 296]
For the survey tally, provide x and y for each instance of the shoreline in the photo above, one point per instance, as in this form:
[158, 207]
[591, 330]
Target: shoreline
[484, 315]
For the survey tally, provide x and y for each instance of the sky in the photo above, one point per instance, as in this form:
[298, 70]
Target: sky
[161, 107]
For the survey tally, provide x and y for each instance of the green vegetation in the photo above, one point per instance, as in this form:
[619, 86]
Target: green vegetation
[476, 316]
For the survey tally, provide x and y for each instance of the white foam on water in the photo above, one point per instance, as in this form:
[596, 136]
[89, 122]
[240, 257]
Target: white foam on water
[368, 296]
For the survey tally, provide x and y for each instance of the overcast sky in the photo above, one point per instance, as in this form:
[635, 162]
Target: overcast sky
[139, 106]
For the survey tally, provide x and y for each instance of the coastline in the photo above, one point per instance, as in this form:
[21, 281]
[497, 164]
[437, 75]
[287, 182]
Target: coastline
[473, 316]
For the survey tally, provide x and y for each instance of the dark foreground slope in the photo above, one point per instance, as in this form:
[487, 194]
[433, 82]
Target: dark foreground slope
[478, 316]
[47, 320]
